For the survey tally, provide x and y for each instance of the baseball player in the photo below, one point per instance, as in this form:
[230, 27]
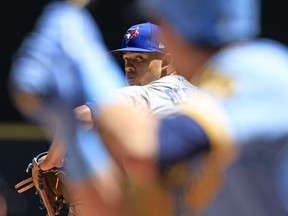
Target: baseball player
[228, 155]
[155, 85]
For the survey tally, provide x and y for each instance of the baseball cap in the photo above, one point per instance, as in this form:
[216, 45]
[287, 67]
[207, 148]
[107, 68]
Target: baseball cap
[142, 37]
[207, 22]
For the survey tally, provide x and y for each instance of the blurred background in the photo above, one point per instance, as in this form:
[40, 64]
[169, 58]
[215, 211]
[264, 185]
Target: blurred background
[20, 140]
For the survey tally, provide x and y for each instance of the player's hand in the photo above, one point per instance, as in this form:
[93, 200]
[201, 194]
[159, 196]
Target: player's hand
[46, 164]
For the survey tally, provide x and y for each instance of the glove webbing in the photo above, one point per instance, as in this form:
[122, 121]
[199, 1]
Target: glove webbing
[44, 200]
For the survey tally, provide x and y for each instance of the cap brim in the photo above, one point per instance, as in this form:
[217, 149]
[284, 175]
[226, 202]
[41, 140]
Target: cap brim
[119, 52]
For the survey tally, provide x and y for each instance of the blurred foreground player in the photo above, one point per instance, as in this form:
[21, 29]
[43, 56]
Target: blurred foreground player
[60, 65]
[226, 156]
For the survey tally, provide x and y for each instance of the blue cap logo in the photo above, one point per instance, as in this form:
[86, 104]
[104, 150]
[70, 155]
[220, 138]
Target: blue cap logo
[142, 37]
[131, 33]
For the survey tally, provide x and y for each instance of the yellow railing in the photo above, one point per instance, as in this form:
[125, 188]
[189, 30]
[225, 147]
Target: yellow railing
[21, 131]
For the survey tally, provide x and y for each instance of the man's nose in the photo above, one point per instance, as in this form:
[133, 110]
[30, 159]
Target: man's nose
[129, 67]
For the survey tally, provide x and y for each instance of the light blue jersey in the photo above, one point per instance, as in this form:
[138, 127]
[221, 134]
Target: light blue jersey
[257, 90]
[65, 62]
[66, 53]
[255, 103]
[244, 173]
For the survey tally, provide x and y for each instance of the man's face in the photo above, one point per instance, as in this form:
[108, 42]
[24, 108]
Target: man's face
[141, 68]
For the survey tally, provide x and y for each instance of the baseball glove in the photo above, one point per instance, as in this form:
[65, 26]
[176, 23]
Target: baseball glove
[49, 186]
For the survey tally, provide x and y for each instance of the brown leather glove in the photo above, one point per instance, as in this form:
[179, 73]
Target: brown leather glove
[49, 186]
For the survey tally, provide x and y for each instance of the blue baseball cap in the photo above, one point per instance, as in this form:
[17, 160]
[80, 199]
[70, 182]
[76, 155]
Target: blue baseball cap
[142, 37]
[207, 22]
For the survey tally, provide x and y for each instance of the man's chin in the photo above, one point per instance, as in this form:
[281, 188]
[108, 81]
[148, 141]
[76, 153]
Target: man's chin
[133, 82]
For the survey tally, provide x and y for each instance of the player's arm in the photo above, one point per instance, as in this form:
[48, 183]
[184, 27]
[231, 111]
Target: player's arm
[180, 137]
[30, 105]
[84, 116]
[57, 150]
[201, 126]
[172, 139]
[55, 155]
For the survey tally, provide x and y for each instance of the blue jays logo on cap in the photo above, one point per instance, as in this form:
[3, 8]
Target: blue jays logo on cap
[142, 37]
[131, 33]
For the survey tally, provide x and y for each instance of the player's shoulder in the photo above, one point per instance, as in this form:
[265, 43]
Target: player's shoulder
[171, 78]
[131, 91]
[252, 53]
[172, 81]
[129, 88]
